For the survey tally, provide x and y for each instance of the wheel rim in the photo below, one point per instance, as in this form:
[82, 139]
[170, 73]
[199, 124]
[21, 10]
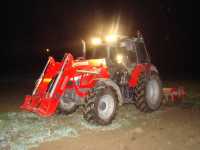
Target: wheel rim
[106, 107]
[152, 92]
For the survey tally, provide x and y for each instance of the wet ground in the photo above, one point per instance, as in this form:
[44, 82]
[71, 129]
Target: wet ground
[174, 127]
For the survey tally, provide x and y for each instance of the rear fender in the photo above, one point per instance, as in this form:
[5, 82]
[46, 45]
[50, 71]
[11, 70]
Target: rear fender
[135, 75]
[147, 68]
[153, 69]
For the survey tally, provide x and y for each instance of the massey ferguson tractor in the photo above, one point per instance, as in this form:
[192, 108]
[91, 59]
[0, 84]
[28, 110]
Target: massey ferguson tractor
[117, 70]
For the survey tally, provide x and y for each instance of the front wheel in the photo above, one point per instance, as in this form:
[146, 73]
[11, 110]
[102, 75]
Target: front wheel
[148, 93]
[101, 107]
[67, 107]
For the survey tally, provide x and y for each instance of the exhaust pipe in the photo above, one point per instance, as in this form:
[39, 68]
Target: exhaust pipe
[84, 48]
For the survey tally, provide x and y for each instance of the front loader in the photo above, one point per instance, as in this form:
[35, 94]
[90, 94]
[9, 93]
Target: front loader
[117, 71]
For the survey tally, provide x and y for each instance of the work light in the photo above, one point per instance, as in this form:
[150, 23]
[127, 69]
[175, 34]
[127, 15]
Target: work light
[111, 38]
[96, 41]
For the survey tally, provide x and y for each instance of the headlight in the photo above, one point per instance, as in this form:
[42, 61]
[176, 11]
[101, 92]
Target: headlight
[119, 58]
[96, 41]
[111, 38]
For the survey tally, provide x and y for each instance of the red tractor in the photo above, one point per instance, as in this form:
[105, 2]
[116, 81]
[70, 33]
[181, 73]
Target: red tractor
[117, 71]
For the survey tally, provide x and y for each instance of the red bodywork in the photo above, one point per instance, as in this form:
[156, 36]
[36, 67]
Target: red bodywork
[64, 74]
[72, 74]
[147, 68]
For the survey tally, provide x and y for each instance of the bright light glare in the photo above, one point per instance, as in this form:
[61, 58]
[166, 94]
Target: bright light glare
[111, 38]
[119, 58]
[96, 41]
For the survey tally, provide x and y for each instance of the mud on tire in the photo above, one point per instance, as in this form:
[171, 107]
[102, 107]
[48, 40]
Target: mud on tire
[101, 105]
[148, 93]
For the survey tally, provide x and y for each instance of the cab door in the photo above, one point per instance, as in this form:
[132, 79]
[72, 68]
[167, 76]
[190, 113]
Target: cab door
[142, 53]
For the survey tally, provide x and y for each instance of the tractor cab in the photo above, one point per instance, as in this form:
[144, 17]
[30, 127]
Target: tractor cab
[121, 54]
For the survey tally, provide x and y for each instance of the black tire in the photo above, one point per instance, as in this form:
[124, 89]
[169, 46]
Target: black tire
[97, 104]
[144, 102]
[67, 104]
[66, 107]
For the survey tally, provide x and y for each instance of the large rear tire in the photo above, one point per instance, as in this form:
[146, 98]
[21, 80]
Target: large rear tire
[101, 105]
[148, 93]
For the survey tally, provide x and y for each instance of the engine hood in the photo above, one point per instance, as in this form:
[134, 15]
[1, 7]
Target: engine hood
[90, 62]
[91, 66]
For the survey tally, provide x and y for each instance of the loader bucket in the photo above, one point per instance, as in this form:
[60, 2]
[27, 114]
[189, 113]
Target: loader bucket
[47, 107]
[29, 103]
[41, 106]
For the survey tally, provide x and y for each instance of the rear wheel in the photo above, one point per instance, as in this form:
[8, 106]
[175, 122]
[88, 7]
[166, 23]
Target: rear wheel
[101, 105]
[148, 93]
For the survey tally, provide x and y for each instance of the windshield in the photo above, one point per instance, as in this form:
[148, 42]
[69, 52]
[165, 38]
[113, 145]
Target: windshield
[96, 52]
[129, 55]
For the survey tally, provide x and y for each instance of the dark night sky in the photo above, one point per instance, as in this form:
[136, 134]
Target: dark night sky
[32, 26]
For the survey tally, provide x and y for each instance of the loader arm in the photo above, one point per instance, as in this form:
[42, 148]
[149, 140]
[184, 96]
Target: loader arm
[43, 101]
[50, 60]
[67, 59]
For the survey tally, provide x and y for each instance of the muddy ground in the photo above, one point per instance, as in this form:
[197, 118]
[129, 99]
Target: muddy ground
[173, 127]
